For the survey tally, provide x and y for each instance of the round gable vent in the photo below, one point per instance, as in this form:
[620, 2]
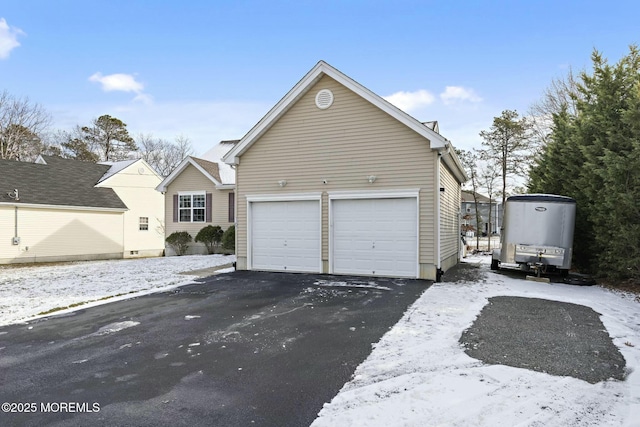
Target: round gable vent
[324, 99]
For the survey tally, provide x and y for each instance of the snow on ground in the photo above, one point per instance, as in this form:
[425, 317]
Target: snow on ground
[27, 291]
[419, 375]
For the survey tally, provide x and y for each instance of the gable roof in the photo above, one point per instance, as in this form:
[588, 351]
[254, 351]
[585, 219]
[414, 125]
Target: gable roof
[57, 182]
[215, 154]
[114, 168]
[429, 132]
[117, 167]
[208, 169]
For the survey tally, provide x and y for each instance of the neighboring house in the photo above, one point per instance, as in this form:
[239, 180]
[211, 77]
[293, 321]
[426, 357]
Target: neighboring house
[62, 210]
[334, 179]
[469, 214]
[199, 193]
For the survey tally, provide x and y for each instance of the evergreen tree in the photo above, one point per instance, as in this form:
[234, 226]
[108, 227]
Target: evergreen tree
[594, 156]
[109, 138]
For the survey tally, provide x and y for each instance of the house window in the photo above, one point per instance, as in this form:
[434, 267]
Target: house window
[144, 223]
[232, 207]
[192, 207]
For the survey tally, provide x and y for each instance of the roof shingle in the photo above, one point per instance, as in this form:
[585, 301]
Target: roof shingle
[61, 182]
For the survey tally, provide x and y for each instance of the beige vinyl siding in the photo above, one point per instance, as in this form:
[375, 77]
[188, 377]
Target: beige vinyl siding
[60, 234]
[343, 144]
[192, 180]
[449, 217]
[135, 185]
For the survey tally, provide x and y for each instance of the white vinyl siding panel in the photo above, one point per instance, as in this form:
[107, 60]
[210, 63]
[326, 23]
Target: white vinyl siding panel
[60, 234]
[375, 237]
[343, 144]
[135, 185]
[285, 236]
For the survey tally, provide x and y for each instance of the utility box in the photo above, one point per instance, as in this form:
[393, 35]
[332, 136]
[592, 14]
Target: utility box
[16, 241]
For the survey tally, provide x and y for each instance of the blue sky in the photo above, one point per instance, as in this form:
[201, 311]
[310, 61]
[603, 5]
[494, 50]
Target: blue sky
[209, 70]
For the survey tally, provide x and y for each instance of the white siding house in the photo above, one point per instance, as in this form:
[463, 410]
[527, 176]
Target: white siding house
[63, 210]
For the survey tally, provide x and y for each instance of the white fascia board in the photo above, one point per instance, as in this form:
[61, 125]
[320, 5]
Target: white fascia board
[451, 160]
[291, 197]
[138, 162]
[320, 69]
[374, 194]
[162, 187]
[275, 113]
[63, 207]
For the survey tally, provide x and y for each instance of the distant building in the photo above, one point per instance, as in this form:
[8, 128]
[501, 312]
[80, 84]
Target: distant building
[469, 214]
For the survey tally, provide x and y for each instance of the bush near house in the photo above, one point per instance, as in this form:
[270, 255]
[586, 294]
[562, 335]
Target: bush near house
[179, 241]
[211, 236]
[229, 238]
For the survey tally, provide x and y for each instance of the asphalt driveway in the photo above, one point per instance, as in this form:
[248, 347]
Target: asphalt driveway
[239, 349]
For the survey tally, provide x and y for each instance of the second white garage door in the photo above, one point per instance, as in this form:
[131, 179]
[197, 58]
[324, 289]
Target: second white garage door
[285, 236]
[375, 237]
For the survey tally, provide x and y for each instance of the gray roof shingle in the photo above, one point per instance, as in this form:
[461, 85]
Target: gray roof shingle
[61, 182]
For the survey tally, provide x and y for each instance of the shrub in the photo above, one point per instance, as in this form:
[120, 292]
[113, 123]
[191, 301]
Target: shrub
[229, 238]
[211, 236]
[179, 241]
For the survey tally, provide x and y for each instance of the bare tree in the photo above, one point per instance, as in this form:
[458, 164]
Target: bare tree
[487, 181]
[164, 156]
[561, 94]
[21, 124]
[470, 161]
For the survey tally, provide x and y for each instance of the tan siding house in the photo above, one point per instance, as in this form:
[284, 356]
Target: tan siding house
[337, 180]
[195, 196]
[64, 210]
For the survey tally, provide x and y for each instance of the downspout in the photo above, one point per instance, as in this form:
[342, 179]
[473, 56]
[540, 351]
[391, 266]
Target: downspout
[438, 262]
[441, 151]
[15, 233]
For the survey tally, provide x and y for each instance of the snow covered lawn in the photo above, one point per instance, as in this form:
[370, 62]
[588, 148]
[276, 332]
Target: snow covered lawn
[419, 375]
[27, 291]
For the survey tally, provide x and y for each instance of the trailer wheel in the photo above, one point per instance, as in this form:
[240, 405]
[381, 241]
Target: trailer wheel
[494, 264]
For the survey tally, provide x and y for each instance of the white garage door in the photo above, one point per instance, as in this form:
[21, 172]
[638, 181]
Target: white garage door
[285, 236]
[375, 237]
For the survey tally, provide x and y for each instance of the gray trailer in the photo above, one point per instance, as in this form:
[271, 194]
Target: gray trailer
[536, 233]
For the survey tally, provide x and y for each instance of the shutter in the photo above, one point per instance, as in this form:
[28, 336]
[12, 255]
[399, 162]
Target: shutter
[208, 207]
[175, 208]
[232, 207]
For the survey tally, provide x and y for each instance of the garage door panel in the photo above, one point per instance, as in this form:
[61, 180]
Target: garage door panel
[375, 236]
[285, 236]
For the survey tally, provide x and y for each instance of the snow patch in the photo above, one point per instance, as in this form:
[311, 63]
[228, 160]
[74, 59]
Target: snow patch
[114, 327]
[29, 292]
[418, 373]
[342, 284]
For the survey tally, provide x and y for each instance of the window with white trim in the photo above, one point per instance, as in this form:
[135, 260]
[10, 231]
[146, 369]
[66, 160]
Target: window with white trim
[191, 207]
[144, 223]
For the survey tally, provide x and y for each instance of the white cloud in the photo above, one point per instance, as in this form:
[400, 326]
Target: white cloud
[408, 101]
[8, 38]
[117, 82]
[453, 94]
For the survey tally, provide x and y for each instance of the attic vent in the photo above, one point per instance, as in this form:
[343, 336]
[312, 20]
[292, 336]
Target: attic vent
[324, 99]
